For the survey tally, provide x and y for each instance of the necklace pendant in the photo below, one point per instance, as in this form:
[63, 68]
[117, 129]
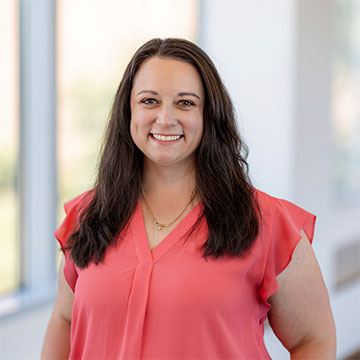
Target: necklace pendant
[158, 226]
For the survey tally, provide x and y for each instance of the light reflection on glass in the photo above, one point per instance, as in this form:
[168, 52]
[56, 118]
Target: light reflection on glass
[346, 103]
[9, 253]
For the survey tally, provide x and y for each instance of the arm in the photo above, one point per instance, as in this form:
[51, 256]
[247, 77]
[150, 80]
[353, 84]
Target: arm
[301, 315]
[57, 338]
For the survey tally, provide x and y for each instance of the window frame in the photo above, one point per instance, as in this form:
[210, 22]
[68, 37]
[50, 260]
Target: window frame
[37, 168]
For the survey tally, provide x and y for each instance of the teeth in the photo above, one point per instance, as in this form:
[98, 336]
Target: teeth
[166, 138]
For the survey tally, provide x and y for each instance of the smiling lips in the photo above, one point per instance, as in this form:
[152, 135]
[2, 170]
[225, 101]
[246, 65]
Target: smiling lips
[166, 138]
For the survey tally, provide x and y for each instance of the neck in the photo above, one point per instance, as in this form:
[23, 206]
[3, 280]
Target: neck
[168, 179]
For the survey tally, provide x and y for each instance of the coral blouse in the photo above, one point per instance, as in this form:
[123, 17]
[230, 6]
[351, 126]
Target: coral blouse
[170, 303]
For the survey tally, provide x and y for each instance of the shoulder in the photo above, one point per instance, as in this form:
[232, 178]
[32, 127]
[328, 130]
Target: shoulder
[73, 210]
[79, 202]
[268, 205]
[282, 221]
[264, 199]
[279, 207]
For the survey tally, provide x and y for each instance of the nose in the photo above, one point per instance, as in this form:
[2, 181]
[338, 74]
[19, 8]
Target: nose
[166, 116]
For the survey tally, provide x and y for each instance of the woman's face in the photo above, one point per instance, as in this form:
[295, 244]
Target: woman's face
[167, 102]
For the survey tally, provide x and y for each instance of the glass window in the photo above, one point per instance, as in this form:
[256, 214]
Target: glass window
[9, 254]
[91, 56]
[346, 104]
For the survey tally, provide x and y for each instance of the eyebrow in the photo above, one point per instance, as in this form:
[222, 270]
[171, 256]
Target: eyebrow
[179, 94]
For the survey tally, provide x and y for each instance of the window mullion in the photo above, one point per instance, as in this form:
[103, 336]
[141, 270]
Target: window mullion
[38, 143]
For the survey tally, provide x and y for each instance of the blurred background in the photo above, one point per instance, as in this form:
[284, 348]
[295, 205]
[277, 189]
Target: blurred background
[292, 68]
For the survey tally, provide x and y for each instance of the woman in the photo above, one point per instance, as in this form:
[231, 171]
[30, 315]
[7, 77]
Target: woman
[174, 254]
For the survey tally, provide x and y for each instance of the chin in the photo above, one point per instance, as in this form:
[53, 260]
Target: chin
[164, 161]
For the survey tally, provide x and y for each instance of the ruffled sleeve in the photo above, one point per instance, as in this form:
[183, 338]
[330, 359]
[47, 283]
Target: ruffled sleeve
[287, 223]
[62, 233]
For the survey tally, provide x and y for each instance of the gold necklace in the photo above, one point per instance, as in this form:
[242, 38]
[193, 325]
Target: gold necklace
[158, 225]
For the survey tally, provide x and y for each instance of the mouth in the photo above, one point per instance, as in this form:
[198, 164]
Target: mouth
[166, 137]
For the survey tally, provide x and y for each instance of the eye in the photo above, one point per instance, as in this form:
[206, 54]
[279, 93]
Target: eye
[186, 103]
[149, 101]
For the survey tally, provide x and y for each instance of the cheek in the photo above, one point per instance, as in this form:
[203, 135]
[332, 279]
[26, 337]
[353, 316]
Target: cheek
[140, 122]
[136, 124]
[135, 131]
[197, 126]
[133, 128]
[201, 127]
[200, 131]
[193, 121]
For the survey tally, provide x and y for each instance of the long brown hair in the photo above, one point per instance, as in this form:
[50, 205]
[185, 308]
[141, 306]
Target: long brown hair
[229, 203]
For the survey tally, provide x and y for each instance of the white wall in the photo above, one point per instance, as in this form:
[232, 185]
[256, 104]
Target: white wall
[252, 45]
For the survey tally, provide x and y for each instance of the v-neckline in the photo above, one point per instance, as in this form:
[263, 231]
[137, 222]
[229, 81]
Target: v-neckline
[141, 241]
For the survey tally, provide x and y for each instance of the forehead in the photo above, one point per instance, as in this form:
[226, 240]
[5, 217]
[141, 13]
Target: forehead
[164, 73]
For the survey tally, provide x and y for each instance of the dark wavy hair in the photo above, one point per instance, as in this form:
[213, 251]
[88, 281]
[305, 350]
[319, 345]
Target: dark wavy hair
[229, 203]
